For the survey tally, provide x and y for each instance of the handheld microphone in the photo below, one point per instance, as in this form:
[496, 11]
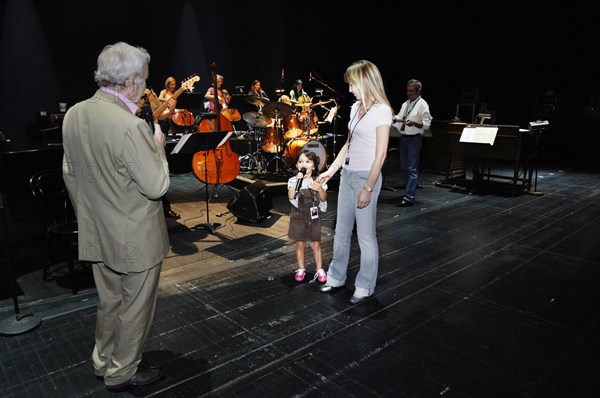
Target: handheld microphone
[299, 182]
[146, 114]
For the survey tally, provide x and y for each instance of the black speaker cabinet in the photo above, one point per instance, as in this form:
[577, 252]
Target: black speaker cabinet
[251, 203]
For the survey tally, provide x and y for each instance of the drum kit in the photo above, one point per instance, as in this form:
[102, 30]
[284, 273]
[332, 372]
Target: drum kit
[282, 127]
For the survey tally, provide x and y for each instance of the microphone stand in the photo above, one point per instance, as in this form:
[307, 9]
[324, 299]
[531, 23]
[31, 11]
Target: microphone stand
[337, 98]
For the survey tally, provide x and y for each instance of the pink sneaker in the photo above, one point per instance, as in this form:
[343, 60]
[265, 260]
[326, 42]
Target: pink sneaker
[300, 274]
[321, 276]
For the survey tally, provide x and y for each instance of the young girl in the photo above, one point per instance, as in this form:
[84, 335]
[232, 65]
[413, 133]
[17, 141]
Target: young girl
[305, 218]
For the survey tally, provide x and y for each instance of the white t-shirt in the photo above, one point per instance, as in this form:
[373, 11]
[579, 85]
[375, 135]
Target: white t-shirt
[363, 135]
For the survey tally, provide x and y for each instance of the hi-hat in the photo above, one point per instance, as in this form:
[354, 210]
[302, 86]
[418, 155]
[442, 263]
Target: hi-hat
[256, 119]
[271, 109]
[256, 100]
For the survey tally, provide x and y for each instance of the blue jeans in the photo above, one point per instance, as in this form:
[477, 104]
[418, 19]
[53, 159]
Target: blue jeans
[351, 184]
[410, 149]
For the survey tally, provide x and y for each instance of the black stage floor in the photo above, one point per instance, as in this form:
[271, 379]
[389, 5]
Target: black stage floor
[479, 295]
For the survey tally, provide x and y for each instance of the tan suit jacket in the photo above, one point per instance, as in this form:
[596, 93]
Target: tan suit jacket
[115, 175]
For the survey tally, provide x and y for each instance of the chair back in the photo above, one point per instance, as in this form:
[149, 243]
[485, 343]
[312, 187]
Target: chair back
[51, 196]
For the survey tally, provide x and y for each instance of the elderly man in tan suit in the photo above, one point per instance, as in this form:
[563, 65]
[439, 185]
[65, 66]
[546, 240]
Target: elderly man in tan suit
[116, 171]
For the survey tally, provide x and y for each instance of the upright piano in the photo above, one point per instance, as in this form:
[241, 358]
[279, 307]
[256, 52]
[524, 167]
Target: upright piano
[505, 164]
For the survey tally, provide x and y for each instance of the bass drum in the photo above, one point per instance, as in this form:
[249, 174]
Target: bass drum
[294, 147]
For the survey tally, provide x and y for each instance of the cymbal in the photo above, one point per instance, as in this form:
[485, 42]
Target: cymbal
[261, 124]
[256, 100]
[256, 119]
[322, 102]
[303, 104]
[271, 109]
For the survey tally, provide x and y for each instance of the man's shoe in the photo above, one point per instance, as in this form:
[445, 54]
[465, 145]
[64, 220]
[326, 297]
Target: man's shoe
[142, 377]
[172, 214]
[357, 300]
[404, 203]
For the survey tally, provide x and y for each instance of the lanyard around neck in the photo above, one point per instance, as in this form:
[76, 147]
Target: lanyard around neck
[408, 111]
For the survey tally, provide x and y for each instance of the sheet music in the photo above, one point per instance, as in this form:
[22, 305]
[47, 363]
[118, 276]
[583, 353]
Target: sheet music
[225, 139]
[479, 135]
[185, 137]
[180, 144]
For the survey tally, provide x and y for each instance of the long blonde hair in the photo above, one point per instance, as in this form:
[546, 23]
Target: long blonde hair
[366, 77]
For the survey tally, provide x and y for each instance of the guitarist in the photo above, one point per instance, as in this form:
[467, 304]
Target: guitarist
[166, 95]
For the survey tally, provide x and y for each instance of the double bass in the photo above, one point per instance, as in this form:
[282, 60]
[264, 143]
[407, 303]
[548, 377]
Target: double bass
[220, 165]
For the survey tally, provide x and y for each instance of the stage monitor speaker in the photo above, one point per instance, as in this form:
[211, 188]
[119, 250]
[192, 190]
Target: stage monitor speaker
[252, 203]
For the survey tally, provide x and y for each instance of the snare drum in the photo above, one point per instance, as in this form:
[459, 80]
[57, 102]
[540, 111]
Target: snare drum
[294, 147]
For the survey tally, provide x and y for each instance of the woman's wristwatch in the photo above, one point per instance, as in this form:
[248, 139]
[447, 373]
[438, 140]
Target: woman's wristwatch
[368, 188]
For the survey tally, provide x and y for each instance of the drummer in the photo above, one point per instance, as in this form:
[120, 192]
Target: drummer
[298, 97]
[297, 94]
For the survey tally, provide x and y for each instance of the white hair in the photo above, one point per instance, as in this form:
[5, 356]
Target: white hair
[118, 61]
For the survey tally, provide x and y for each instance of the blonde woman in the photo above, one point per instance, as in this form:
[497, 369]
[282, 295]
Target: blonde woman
[360, 161]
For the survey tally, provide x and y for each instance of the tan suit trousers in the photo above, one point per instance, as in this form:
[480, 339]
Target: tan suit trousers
[123, 321]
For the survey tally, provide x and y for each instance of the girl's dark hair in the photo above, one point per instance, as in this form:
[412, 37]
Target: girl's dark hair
[313, 158]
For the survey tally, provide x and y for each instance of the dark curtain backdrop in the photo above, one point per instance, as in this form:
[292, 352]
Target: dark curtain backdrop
[511, 51]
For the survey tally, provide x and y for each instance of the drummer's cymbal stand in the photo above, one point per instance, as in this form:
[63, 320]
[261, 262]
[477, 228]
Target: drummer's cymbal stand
[256, 160]
[278, 135]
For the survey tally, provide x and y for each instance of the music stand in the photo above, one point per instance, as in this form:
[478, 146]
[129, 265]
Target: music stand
[537, 128]
[193, 101]
[197, 142]
[236, 100]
